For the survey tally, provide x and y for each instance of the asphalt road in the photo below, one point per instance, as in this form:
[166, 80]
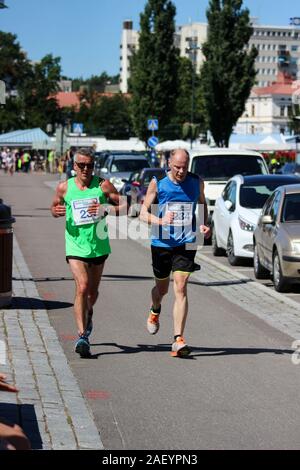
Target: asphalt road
[238, 389]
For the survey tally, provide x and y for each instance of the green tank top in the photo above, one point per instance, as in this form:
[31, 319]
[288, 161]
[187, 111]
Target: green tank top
[85, 236]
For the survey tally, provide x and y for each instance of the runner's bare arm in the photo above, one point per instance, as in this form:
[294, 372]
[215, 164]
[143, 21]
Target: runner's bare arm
[118, 203]
[204, 227]
[58, 208]
[146, 215]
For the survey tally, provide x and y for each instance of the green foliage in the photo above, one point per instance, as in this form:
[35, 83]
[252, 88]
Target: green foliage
[95, 82]
[108, 116]
[154, 68]
[37, 92]
[228, 74]
[189, 103]
[29, 87]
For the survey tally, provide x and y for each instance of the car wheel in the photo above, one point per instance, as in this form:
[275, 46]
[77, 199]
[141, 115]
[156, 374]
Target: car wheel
[260, 272]
[233, 260]
[215, 249]
[280, 282]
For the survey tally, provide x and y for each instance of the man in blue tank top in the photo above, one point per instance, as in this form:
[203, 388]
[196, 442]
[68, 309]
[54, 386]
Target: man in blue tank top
[173, 228]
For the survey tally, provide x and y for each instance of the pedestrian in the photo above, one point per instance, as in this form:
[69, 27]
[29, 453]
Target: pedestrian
[173, 228]
[85, 200]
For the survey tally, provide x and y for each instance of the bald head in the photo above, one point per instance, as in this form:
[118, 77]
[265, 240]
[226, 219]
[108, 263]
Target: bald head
[179, 164]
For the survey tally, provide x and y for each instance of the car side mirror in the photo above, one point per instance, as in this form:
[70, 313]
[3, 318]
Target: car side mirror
[228, 205]
[267, 219]
[104, 170]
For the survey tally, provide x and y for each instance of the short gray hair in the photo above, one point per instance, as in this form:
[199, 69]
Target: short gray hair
[85, 151]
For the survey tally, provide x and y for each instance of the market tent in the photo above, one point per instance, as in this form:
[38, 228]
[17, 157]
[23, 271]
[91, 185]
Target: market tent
[259, 142]
[168, 145]
[34, 138]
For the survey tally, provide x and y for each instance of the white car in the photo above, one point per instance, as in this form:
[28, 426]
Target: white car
[217, 165]
[237, 211]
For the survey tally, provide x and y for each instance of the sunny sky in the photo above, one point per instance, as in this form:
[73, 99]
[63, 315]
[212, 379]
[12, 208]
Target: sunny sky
[86, 33]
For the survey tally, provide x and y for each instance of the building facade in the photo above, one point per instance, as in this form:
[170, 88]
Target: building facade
[269, 109]
[278, 49]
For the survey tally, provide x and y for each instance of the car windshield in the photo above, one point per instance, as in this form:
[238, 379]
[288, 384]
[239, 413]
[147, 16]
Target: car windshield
[291, 208]
[254, 196]
[220, 167]
[128, 165]
[149, 175]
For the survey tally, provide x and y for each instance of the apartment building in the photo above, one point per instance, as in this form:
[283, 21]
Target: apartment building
[278, 49]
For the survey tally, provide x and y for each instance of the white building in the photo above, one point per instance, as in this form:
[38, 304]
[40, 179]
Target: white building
[129, 43]
[278, 49]
[268, 109]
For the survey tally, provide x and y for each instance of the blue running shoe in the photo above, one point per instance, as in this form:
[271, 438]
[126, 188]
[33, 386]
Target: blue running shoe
[82, 346]
[89, 326]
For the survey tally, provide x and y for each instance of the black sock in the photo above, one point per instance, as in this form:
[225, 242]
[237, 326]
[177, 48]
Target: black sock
[177, 336]
[156, 310]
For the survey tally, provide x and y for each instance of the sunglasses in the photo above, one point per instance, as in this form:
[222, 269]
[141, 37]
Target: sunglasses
[82, 165]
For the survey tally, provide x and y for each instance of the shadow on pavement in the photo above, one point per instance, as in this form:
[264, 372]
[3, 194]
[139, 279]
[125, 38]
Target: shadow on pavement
[196, 351]
[31, 303]
[25, 416]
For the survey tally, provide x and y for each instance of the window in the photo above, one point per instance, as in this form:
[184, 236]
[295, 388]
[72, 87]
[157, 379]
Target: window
[282, 108]
[275, 206]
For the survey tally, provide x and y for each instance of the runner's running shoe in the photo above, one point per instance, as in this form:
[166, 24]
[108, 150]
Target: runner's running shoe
[82, 346]
[153, 323]
[89, 326]
[180, 348]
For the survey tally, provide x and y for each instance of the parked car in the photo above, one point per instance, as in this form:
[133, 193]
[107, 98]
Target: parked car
[137, 186]
[216, 166]
[277, 238]
[289, 168]
[118, 167]
[237, 211]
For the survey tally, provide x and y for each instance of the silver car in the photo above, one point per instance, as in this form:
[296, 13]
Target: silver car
[277, 238]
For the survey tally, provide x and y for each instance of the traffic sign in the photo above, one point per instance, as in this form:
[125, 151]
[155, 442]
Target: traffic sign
[77, 128]
[152, 124]
[152, 141]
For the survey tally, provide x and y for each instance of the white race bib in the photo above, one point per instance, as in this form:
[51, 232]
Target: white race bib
[80, 211]
[183, 213]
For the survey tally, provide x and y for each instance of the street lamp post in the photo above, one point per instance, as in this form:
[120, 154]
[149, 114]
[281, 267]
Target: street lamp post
[192, 51]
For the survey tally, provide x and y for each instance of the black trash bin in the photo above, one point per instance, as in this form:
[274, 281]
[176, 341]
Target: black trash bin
[6, 254]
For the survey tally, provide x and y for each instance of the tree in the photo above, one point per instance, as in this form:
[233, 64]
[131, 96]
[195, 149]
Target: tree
[106, 115]
[228, 74]
[38, 90]
[183, 109]
[154, 68]
[14, 69]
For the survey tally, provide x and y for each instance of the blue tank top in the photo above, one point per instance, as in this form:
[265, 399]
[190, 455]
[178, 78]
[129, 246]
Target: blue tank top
[181, 199]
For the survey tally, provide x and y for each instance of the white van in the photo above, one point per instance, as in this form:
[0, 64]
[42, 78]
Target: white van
[217, 165]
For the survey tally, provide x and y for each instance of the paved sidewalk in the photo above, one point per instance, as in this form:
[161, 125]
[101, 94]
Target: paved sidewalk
[49, 406]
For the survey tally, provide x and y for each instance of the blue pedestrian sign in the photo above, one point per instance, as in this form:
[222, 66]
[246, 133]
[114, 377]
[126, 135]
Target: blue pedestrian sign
[152, 124]
[77, 128]
[152, 141]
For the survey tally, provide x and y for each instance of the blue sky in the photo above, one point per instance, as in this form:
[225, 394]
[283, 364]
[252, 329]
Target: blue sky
[86, 33]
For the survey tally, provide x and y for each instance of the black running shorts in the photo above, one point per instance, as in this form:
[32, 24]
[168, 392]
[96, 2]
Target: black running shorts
[90, 261]
[165, 260]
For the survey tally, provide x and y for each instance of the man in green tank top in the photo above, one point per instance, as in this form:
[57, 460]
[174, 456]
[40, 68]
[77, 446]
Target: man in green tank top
[85, 200]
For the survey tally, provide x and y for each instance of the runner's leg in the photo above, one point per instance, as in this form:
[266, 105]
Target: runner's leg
[80, 273]
[159, 291]
[180, 309]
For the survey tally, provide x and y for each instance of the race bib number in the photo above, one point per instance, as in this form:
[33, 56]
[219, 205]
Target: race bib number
[183, 213]
[80, 211]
